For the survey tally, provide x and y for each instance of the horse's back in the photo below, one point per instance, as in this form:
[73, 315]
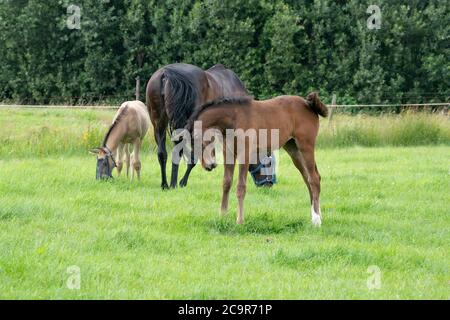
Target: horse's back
[138, 117]
[184, 67]
[295, 103]
[194, 73]
[155, 86]
[139, 107]
[228, 83]
[282, 110]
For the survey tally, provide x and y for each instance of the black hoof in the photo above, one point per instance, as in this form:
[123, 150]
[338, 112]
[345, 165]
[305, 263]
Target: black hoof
[165, 186]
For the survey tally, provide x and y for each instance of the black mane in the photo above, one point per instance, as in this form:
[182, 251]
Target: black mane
[114, 124]
[243, 100]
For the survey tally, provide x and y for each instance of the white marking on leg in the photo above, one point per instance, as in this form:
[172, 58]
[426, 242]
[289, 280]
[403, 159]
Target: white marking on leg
[315, 217]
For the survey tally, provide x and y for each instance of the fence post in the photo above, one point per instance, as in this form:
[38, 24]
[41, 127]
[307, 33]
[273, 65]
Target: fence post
[332, 107]
[138, 87]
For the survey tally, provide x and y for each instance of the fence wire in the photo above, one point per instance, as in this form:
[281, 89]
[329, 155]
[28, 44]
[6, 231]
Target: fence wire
[337, 106]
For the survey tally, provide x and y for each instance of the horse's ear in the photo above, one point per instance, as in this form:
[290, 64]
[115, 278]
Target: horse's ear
[94, 151]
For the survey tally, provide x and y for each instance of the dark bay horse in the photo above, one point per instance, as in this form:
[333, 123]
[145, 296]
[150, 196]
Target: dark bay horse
[172, 94]
[294, 119]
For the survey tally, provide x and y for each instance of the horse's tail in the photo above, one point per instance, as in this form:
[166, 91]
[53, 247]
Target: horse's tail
[180, 97]
[316, 105]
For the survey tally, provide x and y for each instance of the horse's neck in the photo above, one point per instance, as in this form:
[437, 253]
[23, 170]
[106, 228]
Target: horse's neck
[221, 117]
[114, 138]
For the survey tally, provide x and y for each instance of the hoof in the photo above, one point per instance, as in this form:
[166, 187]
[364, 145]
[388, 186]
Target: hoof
[315, 218]
[240, 222]
[316, 221]
[164, 186]
[183, 183]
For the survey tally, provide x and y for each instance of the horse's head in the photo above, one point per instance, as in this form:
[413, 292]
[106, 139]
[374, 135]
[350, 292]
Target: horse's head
[105, 162]
[263, 173]
[209, 162]
[208, 151]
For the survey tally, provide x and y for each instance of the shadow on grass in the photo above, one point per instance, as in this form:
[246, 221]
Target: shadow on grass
[386, 259]
[261, 224]
[312, 257]
[23, 211]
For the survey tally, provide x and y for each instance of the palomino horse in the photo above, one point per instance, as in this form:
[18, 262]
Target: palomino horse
[130, 125]
[297, 122]
[172, 94]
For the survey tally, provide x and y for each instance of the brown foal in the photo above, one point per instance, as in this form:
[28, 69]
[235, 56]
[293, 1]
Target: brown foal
[297, 122]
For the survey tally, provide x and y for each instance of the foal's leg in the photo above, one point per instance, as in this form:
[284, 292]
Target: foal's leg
[241, 190]
[227, 182]
[313, 181]
[136, 160]
[119, 159]
[126, 150]
[296, 156]
[304, 161]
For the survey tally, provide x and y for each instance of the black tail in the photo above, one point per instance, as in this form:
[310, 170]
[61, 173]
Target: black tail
[180, 98]
[316, 105]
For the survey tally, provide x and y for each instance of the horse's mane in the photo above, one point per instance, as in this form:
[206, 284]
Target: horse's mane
[243, 100]
[122, 113]
[181, 99]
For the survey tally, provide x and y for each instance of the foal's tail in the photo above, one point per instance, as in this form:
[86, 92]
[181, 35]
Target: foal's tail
[316, 105]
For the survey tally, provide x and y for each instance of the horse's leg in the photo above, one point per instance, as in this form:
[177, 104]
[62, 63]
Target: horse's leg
[176, 158]
[227, 183]
[296, 156]
[119, 159]
[241, 190]
[184, 180]
[126, 148]
[136, 158]
[191, 165]
[160, 135]
[132, 166]
[307, 151]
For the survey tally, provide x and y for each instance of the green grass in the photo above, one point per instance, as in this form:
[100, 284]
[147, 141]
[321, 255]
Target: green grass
[384, 206]
[407, 129]
[37, 132]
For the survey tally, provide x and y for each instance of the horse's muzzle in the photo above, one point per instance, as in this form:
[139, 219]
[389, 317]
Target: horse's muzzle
[210, 167]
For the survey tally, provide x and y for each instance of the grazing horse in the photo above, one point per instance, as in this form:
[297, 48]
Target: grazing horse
[294, 118]
[173, 92]
[130, 125]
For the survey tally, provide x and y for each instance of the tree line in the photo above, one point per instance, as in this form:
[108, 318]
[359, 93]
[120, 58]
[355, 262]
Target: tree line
[80, 51]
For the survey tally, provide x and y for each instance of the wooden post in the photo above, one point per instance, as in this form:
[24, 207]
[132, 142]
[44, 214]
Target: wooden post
[138, 87]
[332, 107]
[140, 63]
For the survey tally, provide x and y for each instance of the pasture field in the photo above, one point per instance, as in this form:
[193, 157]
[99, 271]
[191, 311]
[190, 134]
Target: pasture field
[385, 206]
